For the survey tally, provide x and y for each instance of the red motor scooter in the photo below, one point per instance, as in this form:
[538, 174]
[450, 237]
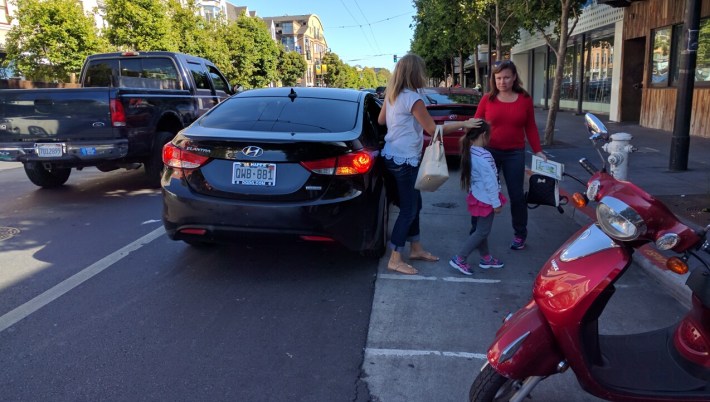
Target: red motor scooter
[558, 328]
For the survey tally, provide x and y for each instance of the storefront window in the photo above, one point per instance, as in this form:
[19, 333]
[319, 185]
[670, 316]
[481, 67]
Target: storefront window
[660, 56]
[702, 67]
[598, 56]
[668, 43]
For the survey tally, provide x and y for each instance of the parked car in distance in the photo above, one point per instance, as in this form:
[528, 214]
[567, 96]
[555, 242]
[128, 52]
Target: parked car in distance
[380, 91]
[449, 105]
[299, 162]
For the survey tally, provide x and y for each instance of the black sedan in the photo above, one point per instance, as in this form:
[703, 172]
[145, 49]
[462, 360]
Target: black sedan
[300, 162]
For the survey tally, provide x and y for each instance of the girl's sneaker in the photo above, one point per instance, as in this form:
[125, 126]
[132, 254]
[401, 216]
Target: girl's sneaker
[460, 265]
[490, 262]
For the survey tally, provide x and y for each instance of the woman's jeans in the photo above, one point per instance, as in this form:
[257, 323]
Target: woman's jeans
[406, 227]
[511, 164]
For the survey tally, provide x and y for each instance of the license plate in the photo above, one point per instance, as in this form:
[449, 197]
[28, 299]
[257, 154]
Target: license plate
[49, 150]
[254, 174]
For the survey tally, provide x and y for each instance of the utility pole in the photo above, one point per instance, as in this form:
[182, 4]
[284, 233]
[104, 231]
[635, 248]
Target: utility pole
[680, 143]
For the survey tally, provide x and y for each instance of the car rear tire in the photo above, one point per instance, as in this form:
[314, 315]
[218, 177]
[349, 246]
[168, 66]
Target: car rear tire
[153, 164]
[46, 178]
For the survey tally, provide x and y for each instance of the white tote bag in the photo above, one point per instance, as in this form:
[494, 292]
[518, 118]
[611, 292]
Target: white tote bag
[433, 171]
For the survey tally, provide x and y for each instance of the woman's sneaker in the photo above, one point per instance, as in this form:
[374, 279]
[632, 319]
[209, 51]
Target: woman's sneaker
[490, 262]
[518, 243]
[460, 265]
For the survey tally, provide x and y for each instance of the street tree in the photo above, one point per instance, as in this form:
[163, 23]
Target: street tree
[51, 39]
[368, 78]
[504, 19]
[383, 75]
[140, 25]
[447, 31]
[556, 21]
[253, 55]
[292, 67]
[336, 74]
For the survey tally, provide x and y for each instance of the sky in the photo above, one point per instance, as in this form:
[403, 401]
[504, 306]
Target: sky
[361, 32]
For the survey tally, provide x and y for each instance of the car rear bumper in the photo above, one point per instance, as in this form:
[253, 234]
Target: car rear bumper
[351, 221]
[75, 151]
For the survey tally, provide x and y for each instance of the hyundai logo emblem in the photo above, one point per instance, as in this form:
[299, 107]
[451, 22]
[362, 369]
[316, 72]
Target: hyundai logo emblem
[452, 117]
[252, 151]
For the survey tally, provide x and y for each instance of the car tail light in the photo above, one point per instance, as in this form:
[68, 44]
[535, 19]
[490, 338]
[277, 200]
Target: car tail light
[345, 165]
[181, 159]
[118, 115]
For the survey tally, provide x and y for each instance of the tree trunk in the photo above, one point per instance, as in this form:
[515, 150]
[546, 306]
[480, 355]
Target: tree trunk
[499, 35]
[549, 137]
[477, 75]
[461, 64]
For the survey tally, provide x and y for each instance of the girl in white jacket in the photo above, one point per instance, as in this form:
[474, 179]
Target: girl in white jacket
[479, 177]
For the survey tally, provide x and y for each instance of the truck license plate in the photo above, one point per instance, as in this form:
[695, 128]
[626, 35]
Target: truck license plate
[254, 174]
[49, 150]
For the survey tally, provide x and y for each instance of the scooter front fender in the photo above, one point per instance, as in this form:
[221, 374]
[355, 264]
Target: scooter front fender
[525, 345]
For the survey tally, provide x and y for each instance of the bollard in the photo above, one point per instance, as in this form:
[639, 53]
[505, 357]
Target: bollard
[619, 149]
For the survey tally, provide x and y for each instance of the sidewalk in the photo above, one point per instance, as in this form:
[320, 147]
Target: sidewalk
[686, 193]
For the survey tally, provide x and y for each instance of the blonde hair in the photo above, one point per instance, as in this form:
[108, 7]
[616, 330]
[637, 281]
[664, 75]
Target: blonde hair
[409, 73]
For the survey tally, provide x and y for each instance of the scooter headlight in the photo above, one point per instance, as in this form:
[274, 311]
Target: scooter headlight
[619, 220]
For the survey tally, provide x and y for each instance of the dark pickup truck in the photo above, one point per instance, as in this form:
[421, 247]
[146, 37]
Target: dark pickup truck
[130, 104]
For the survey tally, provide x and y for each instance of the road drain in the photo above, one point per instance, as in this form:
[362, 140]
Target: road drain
[7, 233]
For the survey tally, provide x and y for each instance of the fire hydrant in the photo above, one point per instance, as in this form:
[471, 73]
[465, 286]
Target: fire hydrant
[619, 149]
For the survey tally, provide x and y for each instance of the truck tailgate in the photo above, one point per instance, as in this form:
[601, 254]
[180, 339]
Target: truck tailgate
[57, 114]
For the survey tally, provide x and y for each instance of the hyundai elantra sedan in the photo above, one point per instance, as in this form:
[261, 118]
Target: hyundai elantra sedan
[282, 162]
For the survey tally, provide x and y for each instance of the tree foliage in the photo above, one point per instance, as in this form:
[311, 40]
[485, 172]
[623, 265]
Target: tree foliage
[140, 25]
[292, 67]
[445, 30]
[253, 55]
[52, 39]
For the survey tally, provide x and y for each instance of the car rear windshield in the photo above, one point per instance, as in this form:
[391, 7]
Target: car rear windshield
[434, 98]
[302, 115]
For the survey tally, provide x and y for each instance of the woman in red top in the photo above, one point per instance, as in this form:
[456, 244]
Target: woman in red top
[508, 108]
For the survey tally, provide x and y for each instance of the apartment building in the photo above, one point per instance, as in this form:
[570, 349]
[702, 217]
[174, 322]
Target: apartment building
[302, 34]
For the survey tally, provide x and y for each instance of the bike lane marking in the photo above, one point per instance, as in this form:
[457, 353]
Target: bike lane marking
[435, 278]
[412, 353]
[63, 287]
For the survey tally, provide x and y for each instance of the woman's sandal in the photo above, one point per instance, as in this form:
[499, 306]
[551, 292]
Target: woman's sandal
[403, 268]
[425, 256]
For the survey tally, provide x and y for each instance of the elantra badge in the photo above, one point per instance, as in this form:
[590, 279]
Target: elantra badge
[252, 151]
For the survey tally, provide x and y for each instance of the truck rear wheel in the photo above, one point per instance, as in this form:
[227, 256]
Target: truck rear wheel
[154, 163]
[46, 178]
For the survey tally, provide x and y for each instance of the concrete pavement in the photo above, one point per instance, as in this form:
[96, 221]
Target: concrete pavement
[429, 333]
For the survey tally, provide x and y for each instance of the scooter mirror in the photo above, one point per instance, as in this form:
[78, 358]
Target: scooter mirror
[596, 128]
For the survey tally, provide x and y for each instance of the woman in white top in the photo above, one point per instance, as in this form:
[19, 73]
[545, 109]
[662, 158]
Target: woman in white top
[406, 117]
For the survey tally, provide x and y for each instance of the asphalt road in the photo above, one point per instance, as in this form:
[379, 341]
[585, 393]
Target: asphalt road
[96, 303]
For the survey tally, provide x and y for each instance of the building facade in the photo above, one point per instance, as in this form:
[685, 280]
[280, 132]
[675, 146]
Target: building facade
[653, 43]
[591, 66]
[303, 34]
[624, 62]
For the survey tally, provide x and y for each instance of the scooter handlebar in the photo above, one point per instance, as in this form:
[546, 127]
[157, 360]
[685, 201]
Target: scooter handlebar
[588, 166]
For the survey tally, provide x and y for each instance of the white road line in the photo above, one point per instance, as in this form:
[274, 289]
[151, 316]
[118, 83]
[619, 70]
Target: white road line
[435, 278]
[414, 353]
[19, 313]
